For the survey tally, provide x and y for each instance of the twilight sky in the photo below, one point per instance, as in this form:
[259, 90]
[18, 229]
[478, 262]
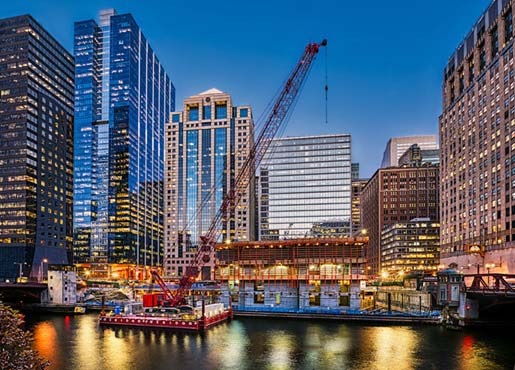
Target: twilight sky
[384, 58]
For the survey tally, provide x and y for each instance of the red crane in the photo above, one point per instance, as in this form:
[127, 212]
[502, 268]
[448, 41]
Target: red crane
[275, 118]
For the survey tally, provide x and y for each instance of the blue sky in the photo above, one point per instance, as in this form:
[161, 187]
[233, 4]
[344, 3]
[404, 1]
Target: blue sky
[384, 58]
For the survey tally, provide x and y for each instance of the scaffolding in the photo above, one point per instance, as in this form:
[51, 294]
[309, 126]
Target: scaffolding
[310, 268]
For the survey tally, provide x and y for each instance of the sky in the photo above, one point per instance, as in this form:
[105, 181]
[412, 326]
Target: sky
[384, 59]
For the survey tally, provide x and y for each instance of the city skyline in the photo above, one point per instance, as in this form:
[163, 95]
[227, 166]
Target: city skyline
[400, 75]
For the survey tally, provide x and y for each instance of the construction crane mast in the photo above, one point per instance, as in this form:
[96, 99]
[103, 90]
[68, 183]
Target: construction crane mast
[274, 119]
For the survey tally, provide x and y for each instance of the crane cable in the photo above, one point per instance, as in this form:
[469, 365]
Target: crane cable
[326, 86]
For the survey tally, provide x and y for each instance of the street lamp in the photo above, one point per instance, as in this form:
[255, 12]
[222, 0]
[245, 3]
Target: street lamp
[401, 274]
[488, 267]
[20, 264]
[42, 269]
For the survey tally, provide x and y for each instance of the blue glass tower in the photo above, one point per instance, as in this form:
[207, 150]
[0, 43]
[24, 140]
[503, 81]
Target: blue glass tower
[206, 145]
[123, 97]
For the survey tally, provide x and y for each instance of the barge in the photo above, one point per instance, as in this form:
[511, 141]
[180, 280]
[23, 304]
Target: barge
[188, 318]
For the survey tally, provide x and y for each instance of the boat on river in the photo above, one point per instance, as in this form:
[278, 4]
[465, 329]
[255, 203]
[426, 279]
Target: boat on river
[185, 317]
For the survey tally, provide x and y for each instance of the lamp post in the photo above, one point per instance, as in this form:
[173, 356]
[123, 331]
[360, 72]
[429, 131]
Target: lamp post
[488, 267]
[385, 275]
[42, 269]
[20, 264]
[401, 275]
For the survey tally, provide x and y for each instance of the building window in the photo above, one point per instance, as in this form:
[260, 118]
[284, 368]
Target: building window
[461, 81]
[176, 118]
[494, 41]
[193, 114]
[221, 111]
[508, 26]
[482, 57]
[206, 112]
[244, 112]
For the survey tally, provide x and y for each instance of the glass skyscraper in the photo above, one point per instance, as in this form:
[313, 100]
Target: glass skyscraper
[123, 97]
[36, 149]
[305, 188]
[206, 145]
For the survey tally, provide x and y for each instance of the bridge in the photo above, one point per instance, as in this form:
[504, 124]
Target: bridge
[494, 295]
[21, 292]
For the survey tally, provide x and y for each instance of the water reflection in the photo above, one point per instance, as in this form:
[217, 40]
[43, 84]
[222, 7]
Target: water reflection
[280, 347]
[78, 343]
[45, 340]
[395, 346]
[232, 352]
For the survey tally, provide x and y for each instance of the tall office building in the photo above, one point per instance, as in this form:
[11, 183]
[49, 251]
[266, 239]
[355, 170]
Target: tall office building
[397, 146]
[123, 97]
[206, 145]
[305, 188]
[36, 149]
[354, 171]
[477, 138]
[397, 195]
[410, 247]
[357, 189]
[415, 156]
[357, 186]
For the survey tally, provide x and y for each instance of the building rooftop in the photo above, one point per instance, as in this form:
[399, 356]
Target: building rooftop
[294, 242]
[211, 91]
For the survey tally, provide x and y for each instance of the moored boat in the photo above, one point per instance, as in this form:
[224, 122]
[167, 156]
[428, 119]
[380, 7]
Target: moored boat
[176, 318]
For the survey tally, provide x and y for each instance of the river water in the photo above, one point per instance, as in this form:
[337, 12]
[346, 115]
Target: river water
[77, 342]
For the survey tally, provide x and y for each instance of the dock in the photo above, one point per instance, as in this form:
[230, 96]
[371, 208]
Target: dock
[382, 318]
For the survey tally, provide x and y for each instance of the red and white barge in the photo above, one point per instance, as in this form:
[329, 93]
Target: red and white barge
[181, 318]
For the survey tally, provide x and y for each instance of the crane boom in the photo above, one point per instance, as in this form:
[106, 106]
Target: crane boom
[275, 118]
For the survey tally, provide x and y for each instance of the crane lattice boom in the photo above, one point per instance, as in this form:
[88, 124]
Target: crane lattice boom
[275, 119]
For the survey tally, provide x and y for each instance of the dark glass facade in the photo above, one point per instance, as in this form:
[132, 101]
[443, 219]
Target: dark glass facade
[123, 97]
[36, 149]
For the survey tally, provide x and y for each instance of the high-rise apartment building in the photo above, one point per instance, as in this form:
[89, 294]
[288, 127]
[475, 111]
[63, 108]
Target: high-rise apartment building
[477, 140]
[36, 149]
[396, 195]
[206, 145]
[123, 98]
[305, 188]
[397, 146]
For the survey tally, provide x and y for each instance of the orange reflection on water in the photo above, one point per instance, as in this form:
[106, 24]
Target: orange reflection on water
[45, 337]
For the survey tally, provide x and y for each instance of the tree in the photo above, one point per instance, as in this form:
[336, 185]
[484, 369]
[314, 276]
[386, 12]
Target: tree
[16, 352]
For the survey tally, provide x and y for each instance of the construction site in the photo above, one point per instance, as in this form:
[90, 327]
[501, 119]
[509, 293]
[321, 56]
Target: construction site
[293, 275]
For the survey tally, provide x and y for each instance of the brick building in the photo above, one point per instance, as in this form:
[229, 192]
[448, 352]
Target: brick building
[477, 140]
[393, 195]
